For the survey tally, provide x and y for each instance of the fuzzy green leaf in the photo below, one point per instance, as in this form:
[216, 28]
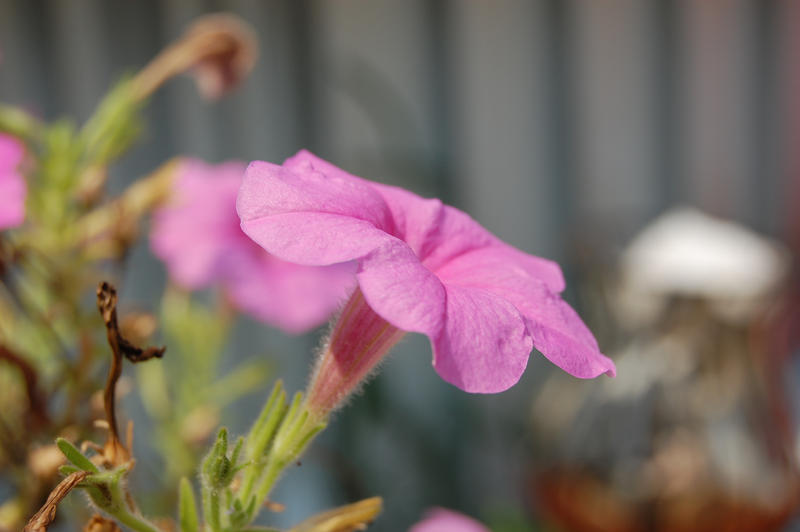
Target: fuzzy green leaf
[75, 456]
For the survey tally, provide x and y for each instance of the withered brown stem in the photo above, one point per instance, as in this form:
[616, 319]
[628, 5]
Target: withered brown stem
[120, 347]
[37, 404]
[47, 513]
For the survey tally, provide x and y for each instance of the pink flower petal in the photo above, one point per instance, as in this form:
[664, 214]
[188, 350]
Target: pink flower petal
[11, 153]
[269, 189]
[304, 159]
[434, 231]
[12, 184]
[293, 297]
[401, 290]
[442, 520]
[485, 344]
[556, 329]
[560, 334]
[308, 217]
[484, 266]
[439, 233]
[200, 239]
[12, 200]
[196, 233]
[314, 238]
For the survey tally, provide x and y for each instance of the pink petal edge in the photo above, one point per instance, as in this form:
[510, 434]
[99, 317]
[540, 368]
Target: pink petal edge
[443, 520]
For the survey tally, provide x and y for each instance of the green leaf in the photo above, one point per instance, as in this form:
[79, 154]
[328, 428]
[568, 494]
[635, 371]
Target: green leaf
[67, 470]
[188, 508]
[75, 456]
[260, 437]
[245, 378]
[18, 123]
[236, 451]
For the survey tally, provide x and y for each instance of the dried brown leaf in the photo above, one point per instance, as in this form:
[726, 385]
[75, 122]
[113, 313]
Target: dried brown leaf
[47, 513]
[348, 518]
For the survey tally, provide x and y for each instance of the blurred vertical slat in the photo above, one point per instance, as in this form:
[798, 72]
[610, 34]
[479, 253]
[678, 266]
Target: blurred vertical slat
[718, 116]
[262, 116]
[788, 204]
[667, 79]
[81, 62]
[500, 127]
[22, 57]
[372, 89]
[614, 74]
[764, 184]
[194, 131]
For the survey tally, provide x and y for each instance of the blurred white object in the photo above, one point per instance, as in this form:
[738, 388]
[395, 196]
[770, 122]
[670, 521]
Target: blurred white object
[688, 253]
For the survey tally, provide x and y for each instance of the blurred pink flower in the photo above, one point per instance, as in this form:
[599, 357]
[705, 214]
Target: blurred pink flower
[442, 520]
[198, 237]
[422, 267]
[12, 184]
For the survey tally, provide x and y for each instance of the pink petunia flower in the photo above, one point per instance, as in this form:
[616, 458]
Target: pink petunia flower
[12, 184]
[443, 520]
[199, 238]
[422, 267]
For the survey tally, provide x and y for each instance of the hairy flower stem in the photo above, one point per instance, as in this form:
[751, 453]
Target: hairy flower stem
[211, 508]
[106, 491]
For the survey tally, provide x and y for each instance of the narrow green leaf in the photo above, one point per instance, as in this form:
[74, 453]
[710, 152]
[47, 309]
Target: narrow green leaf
[75, 456]
[264, 427]
[188, 508]
[236, 451]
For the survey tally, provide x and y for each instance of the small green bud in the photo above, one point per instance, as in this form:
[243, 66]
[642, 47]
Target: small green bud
[218, 469]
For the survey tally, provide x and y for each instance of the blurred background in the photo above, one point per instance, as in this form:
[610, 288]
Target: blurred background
[564, 127]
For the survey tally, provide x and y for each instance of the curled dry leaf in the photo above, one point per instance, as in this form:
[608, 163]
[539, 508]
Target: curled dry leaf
[348, 518]
[47, 513]
[231, 50]
[220, 49]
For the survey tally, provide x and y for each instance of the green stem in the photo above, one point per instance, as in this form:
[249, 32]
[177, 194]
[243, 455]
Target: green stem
[215, 519]
[211, 508]
[294, 436]
[271, 475]
[114, 500]
[134, 522]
